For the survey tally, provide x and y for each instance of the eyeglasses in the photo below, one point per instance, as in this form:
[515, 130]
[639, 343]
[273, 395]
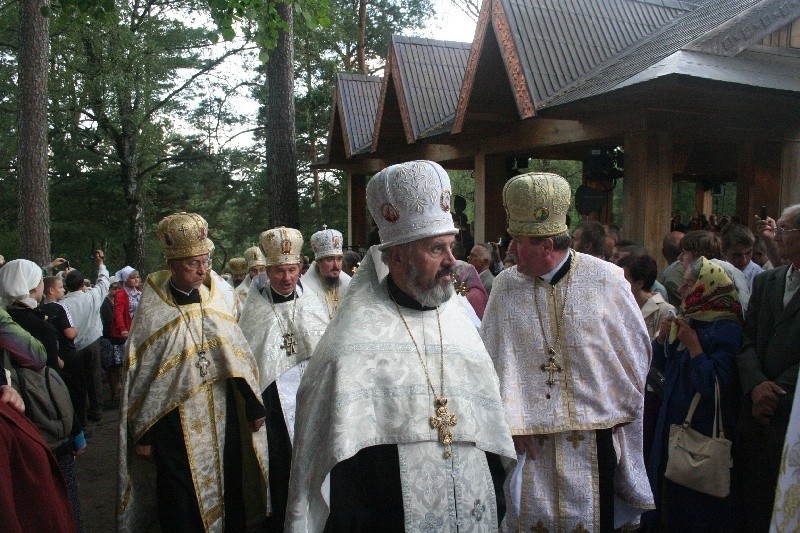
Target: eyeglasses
[195, 264]
[780, 231]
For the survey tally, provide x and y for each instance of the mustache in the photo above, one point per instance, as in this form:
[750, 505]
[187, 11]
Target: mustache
[447, 271]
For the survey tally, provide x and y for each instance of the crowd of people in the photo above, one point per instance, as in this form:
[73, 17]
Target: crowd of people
[430, 384]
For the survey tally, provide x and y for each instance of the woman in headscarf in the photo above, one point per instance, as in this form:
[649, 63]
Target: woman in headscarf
[21, 288]
[126, 300]
[694, 350]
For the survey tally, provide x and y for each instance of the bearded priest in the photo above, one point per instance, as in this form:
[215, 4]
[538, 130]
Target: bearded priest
[325, 276]
[399, 422]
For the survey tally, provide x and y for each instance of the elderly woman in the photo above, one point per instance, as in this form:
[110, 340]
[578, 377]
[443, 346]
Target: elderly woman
[126, 300]
[694, 350]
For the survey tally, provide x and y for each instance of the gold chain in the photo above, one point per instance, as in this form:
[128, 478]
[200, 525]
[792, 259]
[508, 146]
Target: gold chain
[551, 353]
[280, 322]
[202, 364]
[419, 354]
[442, 419]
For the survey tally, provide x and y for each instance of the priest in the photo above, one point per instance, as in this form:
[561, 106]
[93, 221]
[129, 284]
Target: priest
[571, 349]
[399, 419]
[190, 402]
[283, 323]
[325, 276]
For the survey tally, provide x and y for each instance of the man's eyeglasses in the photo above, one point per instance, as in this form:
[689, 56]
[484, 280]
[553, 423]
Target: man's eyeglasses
[194, 264]
[780, 231]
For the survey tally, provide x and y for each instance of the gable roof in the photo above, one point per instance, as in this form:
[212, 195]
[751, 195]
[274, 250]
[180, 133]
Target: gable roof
[715, 29]
[426, 76]
[353, 116]
[547, 45]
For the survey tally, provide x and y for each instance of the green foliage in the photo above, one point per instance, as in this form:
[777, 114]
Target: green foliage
[227, 13]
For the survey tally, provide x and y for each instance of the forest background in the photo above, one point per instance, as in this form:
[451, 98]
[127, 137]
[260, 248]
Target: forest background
[145, 117]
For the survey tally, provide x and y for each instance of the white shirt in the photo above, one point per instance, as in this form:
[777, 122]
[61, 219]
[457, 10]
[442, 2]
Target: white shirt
[84, 306]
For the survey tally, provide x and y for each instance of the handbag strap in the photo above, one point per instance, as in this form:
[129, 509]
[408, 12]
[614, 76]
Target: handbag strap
[716, 429]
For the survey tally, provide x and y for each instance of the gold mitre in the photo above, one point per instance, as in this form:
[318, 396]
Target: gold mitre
[184, 235]
[254, 257]
[237, 265]
[536, 204]
[326, 243]
[281, 246]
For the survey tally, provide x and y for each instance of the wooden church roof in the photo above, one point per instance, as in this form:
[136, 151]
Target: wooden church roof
[353, 116]
[420, 89]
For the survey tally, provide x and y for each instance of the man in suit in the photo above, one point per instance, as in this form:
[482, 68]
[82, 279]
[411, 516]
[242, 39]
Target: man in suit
[768, 365]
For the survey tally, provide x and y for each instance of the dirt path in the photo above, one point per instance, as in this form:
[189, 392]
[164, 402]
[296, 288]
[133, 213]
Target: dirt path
[97, 475]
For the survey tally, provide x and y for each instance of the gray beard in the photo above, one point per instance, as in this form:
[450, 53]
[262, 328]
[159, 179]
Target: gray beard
[428, 296]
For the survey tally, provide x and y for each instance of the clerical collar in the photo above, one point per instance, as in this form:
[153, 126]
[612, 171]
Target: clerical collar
[403, 299]
[279, 298]
[183, 297]
[560, 270]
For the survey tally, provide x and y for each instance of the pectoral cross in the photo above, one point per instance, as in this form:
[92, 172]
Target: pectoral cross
[289, 344]
[443, 421]
[551, 368]
[202, 364]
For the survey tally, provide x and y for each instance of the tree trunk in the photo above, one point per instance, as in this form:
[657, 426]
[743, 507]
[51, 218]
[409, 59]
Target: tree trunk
[283, 201]
[362, 32]
[34, 204]
[126, 145]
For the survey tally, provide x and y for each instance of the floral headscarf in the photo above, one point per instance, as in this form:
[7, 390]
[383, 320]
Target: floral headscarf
[712, 297]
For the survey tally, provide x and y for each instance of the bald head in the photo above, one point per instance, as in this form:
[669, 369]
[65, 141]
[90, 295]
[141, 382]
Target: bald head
[479, 257]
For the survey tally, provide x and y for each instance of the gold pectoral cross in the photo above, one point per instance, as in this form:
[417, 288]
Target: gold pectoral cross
[289, 344]
[551, 367]
[202, 364]
[443, 421]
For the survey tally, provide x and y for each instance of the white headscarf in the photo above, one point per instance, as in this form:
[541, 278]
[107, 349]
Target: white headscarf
[123, 274]
[17, 279]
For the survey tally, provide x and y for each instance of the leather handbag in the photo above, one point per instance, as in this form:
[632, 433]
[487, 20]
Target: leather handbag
[697, 461]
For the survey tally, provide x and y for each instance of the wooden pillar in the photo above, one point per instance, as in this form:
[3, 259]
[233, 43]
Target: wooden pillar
[490, 216]
[758, 181]
[358, 222]
[703, 200]
[789, 173]
[647, 189]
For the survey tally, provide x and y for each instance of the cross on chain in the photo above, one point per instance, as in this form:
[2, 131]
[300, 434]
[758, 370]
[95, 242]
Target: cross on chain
[202, 364]
[551, 368]
[289, 344]
[443, 421]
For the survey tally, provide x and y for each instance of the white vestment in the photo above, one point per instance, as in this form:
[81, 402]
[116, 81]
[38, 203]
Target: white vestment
[603, 354]
[264, 329]
[786, 513]
[365, 386]
[241, 291]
